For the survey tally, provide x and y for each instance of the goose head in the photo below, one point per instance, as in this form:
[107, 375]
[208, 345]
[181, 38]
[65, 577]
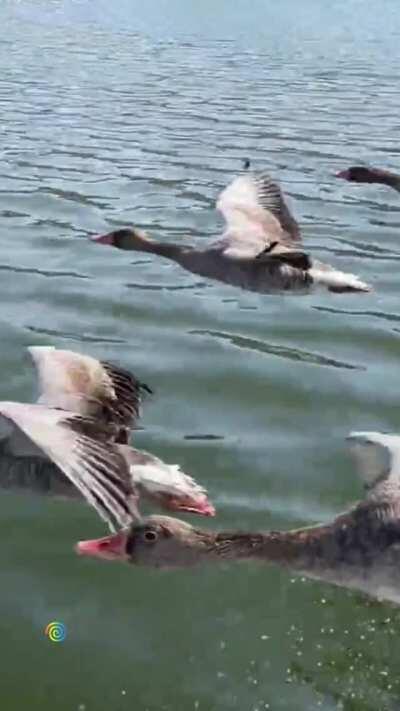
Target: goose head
[158, 542]
[128, 238]
[357, 174]
[363, 174]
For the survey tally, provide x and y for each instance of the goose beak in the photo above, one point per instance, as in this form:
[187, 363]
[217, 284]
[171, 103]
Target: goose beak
[202, 507]
[108, 548]
[103, 239]
[344, 174]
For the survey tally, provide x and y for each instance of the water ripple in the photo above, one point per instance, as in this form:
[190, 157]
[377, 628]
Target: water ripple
[78, 337]
[42, 272]
[290, 353]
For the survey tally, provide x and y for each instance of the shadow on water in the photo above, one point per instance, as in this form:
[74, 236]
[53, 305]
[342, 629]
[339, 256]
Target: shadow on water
[41, 272]
[78, 337]
[167, 287]
[349, 312]
[280, 351]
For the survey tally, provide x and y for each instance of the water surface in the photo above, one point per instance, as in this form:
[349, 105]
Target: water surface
[141, 113]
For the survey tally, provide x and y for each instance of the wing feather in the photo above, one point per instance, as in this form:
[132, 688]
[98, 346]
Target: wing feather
[256, 216]
[377, 456]
[85, 385]
[94, 466]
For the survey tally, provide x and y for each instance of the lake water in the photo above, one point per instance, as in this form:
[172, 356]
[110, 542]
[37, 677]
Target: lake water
[141, 113]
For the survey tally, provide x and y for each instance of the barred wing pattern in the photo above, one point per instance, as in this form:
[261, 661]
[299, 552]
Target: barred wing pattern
[93, 465]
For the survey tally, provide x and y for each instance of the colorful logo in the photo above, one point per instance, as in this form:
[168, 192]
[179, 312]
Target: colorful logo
[56, 631]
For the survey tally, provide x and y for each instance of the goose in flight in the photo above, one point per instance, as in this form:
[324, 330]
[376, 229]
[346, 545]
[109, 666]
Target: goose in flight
[363, 174]
[360, 549]
[80, 425]
[260, 250]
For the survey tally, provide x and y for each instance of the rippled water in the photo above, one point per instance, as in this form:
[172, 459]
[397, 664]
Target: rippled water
[142, 114]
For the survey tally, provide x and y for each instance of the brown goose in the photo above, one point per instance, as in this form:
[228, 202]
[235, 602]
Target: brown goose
[362, 174]
[85, 398]
[360, 549]
[260, 250]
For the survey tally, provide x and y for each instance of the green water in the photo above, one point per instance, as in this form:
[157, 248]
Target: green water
[142, 113]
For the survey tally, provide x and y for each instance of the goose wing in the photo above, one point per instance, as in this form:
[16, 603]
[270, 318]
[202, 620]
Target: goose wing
[79, 446]
[377, 458]
[85, 385]
[258, 221]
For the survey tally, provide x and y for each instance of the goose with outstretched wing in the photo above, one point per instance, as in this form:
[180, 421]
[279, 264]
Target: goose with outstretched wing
[260, 249]
[87, 406]
[359, 549]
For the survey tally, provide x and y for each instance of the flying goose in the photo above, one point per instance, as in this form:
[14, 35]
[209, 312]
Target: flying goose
[260, 250]
[86, 407]
[359, 549]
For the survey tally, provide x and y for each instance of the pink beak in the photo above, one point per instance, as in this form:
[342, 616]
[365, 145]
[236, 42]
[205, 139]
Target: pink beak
[204, 509]
[103, 239]
[342, 174]
[109, 548]
[201, 507]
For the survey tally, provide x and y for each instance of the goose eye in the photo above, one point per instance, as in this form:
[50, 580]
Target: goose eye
[150, 536]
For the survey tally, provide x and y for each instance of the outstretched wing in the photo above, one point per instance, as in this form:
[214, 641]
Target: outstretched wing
[377, 457]
[80, 448]
[87, 386]
[258, 221]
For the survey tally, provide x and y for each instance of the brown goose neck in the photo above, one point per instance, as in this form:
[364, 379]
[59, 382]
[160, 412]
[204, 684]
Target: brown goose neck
[286, 548]
[170, 250]
[385, 177]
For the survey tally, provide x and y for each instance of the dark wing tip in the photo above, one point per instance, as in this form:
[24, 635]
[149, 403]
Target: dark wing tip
[146, 388]
[128, 390]
[102, 473]
[271, 199]
[87, 427]
[301, 260]
[295, 258]
[268, 249]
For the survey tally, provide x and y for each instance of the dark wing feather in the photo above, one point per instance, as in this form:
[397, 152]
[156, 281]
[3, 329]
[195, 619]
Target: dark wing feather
[125, 409]
[271, 199]
[79, 447]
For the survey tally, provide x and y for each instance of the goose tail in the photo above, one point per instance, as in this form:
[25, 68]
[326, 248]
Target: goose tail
[338, 282]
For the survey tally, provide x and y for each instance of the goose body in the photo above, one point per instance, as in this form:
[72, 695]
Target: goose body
[360, 549]
[260, 250]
